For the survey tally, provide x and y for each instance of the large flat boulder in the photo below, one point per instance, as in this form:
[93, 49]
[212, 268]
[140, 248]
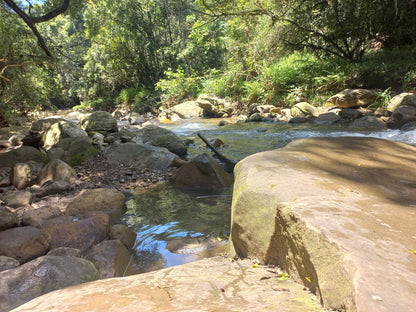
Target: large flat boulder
[338, 213]
[140, 155]
[214, 284]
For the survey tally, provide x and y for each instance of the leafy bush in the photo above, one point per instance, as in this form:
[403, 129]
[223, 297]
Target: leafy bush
[178, 86]
[136, 99]
[101, 104]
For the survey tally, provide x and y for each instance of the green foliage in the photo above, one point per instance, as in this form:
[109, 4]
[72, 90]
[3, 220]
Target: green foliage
[179, 86]
[383, 98]
[110, 53]
[138, 100]
[100, 104]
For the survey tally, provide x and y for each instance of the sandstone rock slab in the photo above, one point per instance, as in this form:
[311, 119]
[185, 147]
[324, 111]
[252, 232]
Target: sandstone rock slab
[338, 214]
[353, 98]
[214, 284]
[187, 109]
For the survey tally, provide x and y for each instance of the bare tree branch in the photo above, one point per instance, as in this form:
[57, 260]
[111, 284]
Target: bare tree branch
[32, 21]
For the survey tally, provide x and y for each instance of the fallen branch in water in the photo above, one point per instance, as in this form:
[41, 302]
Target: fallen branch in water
[228, 162]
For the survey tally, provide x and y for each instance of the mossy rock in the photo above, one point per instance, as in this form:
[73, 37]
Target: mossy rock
[161, 137]
[21, 155]
[77, 150]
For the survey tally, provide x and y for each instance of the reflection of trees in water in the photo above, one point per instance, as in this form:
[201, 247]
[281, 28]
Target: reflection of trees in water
[147, 260]
[184, 210]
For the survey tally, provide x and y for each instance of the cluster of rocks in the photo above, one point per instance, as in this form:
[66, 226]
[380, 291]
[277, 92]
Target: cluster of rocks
[48, 247]
[352, 107]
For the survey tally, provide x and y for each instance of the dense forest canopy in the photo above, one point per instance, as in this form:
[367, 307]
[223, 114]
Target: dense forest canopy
[140, 53]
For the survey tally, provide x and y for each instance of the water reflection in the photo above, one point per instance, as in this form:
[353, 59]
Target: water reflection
[164, 214]
[174, 226]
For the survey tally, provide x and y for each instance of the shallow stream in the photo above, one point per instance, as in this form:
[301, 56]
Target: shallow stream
[175, 227]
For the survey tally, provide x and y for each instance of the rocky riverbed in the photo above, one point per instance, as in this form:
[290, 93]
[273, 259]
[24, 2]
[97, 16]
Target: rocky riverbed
[64, 180]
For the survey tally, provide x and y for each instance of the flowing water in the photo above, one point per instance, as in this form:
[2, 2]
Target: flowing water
[168, 221]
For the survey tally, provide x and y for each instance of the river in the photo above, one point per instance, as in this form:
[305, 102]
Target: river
[168, 220]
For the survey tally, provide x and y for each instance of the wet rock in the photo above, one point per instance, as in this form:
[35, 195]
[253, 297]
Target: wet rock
[353, 206]
[299, 119]
[327, 118]
[7, 263]
[402, 99]
[57, 170]
[24, 243]
[99, 121]
[353, 98]
[124, 234]
[256, 117]
[367, 123]
[217, 143]
[65, 252]
[35, 217]
[110, 201]
[141, 156]
[18, 199]
[41, 276]
[215, 284]
[224, 123]
[77, 232]
[201, 247]
[304, 109]
[21, 155]
[350, 114]
[189, 109]
[161, 137]
[401, 116]
[202, 172]
[111, 258]
[8, 220]
[409, 126]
